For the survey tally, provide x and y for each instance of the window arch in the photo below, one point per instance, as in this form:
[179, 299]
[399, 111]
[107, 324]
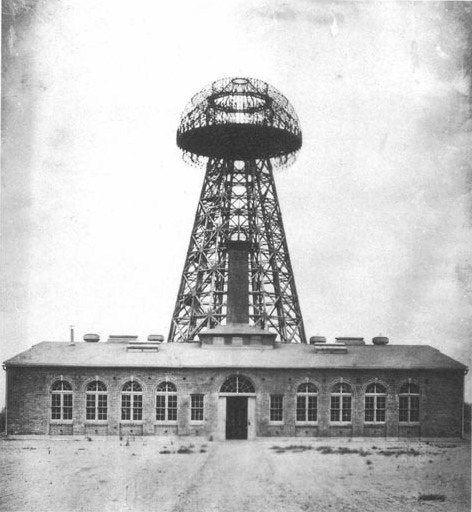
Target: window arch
[96, 408]
[375, 402]
[132, 401]
[61, 400]
[237, 384]
[307, 403]
[166, 402]
[341, 399]
[409, 410]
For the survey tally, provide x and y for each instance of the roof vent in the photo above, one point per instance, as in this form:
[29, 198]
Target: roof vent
[121, 338]
[350, 341]
[91, 338]
[158, 338]
[331, 348]
[380, 340]
[317, 339]
[142, 346]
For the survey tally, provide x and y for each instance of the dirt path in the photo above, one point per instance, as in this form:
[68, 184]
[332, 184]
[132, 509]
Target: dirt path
[237, 476]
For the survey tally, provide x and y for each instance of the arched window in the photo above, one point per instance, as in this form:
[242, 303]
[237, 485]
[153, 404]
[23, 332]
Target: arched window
[61, 400]
[132, 401]
[341, 398]
[166, 402]
[375, 398]
[409, 411]
[237, 384]
[307, 402]
[96, 401]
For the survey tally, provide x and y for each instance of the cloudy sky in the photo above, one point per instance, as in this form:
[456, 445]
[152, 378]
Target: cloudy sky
[97, 204]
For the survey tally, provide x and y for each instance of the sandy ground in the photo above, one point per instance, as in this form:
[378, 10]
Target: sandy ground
[106, 474]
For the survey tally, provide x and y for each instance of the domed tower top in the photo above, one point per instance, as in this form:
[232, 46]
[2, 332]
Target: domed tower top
[239, 119]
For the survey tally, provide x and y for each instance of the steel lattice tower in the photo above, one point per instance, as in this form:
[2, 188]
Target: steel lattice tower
[240, 129]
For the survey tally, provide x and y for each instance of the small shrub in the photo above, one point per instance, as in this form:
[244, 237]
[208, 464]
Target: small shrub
[368, 462]
[165, 452]
[202, 450]
[431, 497]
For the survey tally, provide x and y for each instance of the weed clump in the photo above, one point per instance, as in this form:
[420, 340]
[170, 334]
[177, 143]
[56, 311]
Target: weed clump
[431, 497]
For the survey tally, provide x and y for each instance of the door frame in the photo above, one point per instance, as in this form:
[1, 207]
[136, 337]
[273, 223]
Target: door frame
[251, 415]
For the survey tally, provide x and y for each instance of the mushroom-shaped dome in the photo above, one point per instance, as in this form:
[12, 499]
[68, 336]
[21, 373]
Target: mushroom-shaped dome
[239, 119]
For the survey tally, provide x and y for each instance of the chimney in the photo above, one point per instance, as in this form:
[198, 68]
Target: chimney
[238, 282]
[71, 334]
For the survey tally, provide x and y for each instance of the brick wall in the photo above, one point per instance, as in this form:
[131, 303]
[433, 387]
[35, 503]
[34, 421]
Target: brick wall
[28, 405]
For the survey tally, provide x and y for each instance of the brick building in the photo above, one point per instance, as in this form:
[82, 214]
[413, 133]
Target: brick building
[237, 382]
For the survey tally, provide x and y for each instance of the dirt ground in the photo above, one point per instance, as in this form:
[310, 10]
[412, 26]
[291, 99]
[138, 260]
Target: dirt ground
[193, 475]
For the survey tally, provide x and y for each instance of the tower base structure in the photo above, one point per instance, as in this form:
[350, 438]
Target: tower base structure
[238, 204]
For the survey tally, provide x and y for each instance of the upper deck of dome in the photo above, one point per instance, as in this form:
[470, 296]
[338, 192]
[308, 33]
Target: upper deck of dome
[240, 119]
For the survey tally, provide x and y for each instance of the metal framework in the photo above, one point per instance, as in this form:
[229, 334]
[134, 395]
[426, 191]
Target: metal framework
[238, 201]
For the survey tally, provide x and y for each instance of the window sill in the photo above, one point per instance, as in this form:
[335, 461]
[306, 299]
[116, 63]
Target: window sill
[306, 423]
[131, 422]
[197, 422]
[164, 423]
[341, 423]
[61, 422]
[373, 423]
[96, 422]
[276, 423]
[408, 423]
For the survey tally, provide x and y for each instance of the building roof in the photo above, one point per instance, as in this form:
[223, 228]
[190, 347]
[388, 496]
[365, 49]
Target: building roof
[191, 355]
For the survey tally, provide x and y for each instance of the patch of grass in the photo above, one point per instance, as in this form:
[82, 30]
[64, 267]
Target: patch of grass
[441, 445]
[202, 450]
[185, 449]
[399, 452]
[295, 448]
[431, 497]
[325, 450]
[165, 452]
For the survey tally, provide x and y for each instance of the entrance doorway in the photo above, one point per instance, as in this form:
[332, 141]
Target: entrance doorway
[236, 417]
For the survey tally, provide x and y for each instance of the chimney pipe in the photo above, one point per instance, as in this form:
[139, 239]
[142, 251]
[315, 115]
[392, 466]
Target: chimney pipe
[72, 334]
[238, 282]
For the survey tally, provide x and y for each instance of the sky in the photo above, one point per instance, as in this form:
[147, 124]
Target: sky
[97, 204]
